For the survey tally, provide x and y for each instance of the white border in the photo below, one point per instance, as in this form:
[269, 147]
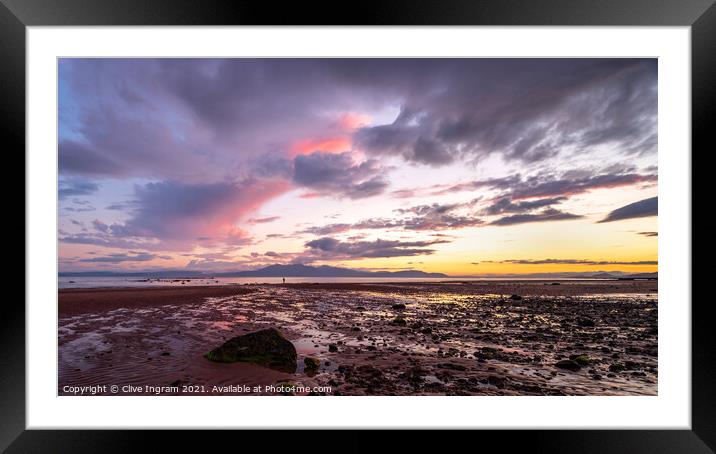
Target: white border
[670, 409]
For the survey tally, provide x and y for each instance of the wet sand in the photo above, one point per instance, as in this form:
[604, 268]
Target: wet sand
[83, 300]
[456, 338]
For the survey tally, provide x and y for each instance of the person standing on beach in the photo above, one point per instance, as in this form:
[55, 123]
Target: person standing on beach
[284, 280]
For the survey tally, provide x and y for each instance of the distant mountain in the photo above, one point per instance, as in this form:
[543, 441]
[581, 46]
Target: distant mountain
[562, 275]
[324, 271]
[604, 276]
[269, 271]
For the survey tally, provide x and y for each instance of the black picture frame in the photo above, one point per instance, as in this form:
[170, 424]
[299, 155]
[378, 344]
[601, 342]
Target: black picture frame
[700, 15]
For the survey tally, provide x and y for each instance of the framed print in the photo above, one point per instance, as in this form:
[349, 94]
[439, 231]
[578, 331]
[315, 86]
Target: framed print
[464, 215]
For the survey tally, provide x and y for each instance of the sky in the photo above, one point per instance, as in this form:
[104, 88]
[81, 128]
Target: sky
[460, 166]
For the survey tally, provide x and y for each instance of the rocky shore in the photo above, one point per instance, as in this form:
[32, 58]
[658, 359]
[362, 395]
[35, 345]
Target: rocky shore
[474, 338]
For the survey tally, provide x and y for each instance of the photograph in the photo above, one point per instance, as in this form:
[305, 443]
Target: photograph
[357, 226]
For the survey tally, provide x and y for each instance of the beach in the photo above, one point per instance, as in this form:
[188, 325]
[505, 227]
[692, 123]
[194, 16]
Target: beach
[591, 337]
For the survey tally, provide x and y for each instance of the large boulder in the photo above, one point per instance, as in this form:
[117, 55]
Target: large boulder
[267, 347]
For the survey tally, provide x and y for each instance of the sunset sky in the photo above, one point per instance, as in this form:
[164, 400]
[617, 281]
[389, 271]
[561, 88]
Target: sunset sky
[459, 166]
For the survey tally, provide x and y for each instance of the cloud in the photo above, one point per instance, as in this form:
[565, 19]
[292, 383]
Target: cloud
[547, 184]
[210, 141]
[329, 229]
[226, 115]
[338, 174]
[178, 215]
[640, 209]
[424, 218]
[440, 217]
[523, 109]
[648, 233]
[505, 205]
[173, 210]
[550, 214]
[105, 239]
[78, 206]
[263, 220]
[575, 262]
[122, 257]
[74, 187]
[101, 226]
[331, 248]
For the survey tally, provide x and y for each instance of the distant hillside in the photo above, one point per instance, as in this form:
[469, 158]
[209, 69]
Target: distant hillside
[570, 275]
[324, 271]
[269, 271]
[604, 276]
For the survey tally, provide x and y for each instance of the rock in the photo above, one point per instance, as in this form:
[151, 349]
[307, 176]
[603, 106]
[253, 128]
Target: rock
[398, 306]
[311, 365]
[415, 374]
[496, 381]
[585, 322]
[399, 321]
[568, 364]
[333, 348]
[515, 297]
[616, 367]
[267, 347]
[582, 360]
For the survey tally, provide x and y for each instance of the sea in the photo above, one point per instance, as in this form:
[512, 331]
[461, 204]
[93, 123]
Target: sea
[134, 281]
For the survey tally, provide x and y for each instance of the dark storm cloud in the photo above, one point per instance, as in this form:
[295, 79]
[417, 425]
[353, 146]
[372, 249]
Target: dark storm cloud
[337, 174]
[575, 262]
[75, 187]
[331, 248]
[240, 109]
[640, 209]
[550, 214]
[523, 109]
